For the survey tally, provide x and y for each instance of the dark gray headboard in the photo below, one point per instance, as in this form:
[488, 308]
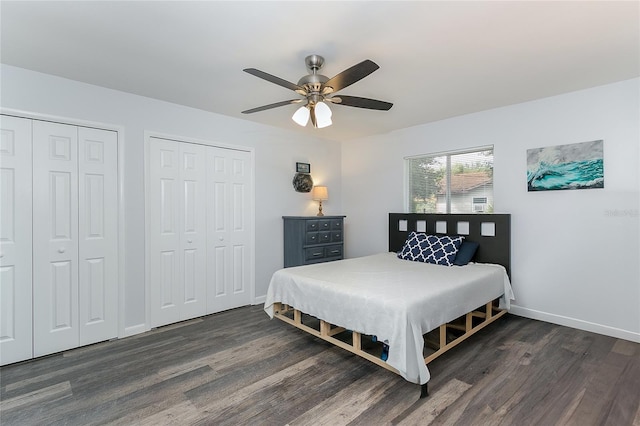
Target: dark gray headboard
[492, 249]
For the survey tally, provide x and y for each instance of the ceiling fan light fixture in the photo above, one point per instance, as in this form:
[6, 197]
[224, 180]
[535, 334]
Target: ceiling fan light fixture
[323, 115]
[301, 116]
[318, 90]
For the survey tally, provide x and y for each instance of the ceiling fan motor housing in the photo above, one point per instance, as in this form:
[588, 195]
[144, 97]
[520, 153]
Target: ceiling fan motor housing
[313, 82]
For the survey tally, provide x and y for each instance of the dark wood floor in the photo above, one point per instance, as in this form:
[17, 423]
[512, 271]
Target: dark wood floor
[239, 367]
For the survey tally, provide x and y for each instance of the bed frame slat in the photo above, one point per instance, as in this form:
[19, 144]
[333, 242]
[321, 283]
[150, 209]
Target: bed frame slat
[326, 331]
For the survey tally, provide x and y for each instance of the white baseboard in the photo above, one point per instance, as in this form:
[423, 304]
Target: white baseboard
[575, 323]
[134, 329]
[259, 300]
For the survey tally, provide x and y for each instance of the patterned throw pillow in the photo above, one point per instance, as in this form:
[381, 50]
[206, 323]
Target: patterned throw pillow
[440, 250]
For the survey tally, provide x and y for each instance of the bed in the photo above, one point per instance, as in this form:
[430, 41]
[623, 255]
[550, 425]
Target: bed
[397, 313]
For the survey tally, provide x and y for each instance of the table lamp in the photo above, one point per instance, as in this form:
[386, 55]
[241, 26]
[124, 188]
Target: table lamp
[319, 194]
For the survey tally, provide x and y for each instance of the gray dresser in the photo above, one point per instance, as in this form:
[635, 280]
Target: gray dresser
[312, 239]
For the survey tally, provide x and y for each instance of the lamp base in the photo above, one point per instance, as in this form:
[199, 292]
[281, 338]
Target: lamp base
[320, 208]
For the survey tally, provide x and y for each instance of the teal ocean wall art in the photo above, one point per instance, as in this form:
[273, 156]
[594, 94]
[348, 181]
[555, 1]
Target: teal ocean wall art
[572, 166]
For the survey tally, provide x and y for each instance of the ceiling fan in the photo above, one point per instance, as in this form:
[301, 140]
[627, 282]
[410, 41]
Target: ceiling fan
[319, 90]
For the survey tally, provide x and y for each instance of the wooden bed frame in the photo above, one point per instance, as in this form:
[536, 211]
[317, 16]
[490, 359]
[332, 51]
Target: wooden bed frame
[495, 248]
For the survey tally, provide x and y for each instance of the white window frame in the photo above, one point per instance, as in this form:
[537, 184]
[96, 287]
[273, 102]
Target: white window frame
[448, 154]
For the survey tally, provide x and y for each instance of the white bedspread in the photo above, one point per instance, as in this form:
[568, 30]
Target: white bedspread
[394, 299]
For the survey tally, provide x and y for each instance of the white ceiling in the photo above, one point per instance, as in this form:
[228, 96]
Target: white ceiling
[437, 59]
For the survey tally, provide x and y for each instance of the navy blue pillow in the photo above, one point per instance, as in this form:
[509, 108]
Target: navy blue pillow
[440, 250]
[465, 253]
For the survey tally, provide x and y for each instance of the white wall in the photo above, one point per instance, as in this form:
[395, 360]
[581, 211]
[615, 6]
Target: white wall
[575, 254]
[276, 152]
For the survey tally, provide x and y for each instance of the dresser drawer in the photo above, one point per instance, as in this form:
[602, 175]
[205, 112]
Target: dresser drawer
[333, 251]
[336, 236]
[325, 252]
[314, 253]
[324, 236]
[311, 238]
[324, 224]
[312, 225]
[336, 224]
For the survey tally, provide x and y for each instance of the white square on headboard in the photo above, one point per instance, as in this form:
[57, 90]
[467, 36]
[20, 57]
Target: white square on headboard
[441, 227]
[488, 229]
[421, 226]
[402, 225]
[463, 228]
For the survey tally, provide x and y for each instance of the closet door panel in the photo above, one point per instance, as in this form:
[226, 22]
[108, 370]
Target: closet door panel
[177, 241]
[218, 232]
[240, 181]
[193, 234]
[55, 237]
[164, 232]
[15, 240]
[98, 228]
[229, 229]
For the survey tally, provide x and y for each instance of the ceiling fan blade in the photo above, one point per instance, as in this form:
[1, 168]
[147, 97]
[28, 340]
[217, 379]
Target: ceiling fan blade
[355, 101]
[273, 79]
[352, 75]
[276, 105]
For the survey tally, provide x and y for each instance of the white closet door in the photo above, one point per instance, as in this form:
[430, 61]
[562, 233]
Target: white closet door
[177, 228]
[98, 230]
[55, 237]
[164, 232]
[193, 233]
[15, 240]
[228, 229]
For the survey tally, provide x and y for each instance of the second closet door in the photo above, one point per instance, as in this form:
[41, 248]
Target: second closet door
[177, 228]
[199, 232]
[229, 180]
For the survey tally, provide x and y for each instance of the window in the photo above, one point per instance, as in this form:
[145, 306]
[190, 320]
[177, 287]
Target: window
[451, 182]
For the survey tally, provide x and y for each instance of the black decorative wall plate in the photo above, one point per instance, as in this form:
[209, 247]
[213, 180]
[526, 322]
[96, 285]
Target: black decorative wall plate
[302, 182]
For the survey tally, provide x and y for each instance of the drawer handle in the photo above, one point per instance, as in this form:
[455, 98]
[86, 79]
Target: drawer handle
[189, 240]
[317, 254]
[61, 250]
[335, 251]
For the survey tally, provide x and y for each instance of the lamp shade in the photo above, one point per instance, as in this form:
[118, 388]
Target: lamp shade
[301, 116]
[323, 115]
[320, 193]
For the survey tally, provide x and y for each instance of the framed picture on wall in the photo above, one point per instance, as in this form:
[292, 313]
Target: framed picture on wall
[303, 168]
[572, 166]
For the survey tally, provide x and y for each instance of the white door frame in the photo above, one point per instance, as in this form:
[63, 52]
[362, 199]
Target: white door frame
[148, 135]
[120, 195]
